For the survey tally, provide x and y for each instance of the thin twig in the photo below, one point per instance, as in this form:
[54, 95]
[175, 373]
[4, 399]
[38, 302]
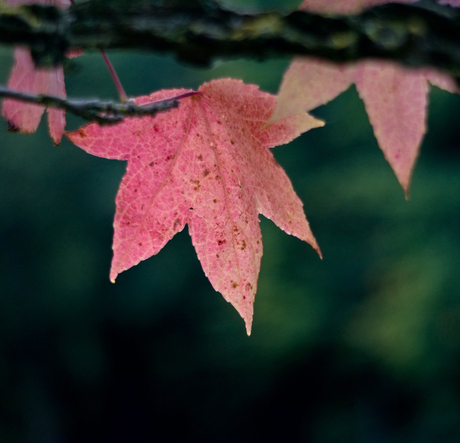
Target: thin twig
[115, 78]
[97, 111]
[113, 73]
[174, 97]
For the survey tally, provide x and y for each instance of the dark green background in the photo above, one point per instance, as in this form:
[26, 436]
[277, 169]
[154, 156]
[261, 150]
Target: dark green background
[362, 346]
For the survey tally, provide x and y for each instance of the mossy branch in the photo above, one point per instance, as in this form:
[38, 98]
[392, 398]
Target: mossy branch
[420, 34]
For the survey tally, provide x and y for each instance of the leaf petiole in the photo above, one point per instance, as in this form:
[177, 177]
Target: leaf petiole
[113, 73]
[168, 99]
[116, 80]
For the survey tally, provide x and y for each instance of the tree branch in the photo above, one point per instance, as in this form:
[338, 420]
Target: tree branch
[201, 31]
[92, 110]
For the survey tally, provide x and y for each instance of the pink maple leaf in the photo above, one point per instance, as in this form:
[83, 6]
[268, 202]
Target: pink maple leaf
[25, 77]
[205, 164]
[343, 6]
[455, 3]
[395, 98]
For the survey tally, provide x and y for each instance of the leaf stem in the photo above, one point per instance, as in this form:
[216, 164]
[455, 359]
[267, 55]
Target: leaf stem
[174, 97]
[113, 73]
[115, 78]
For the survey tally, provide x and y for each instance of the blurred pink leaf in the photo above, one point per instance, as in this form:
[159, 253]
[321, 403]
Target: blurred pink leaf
[205, 164]
[395, 98]
[454, 3]
[395, 101]
[309, 83]
[343, 6]
[25, 77]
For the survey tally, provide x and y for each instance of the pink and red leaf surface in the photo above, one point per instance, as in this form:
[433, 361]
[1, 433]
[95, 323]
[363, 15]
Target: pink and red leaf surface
[206, 164]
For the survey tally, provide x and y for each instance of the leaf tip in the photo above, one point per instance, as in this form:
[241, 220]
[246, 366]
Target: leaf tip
[248, 327]
[405, 185]
[113, 276]
[406, 193]
[311, 240]
[319, 252]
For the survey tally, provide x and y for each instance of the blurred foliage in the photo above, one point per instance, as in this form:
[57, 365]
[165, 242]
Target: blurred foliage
[362, 346]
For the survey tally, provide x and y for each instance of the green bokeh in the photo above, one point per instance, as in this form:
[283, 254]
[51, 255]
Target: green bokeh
[362, 346]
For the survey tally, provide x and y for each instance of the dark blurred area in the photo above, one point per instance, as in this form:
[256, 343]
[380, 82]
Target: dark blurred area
[362, 346]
